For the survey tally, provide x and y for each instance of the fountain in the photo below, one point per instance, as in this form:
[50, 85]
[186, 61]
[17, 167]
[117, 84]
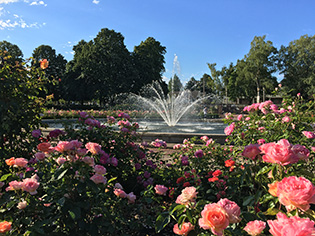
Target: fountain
[172, 106]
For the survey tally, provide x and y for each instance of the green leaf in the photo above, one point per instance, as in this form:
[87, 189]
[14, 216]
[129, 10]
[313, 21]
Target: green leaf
[272, 212]
[248, 200]
[112, 179]
[161, 221]
[62, 174]
[179, 208]
[264, 170]
[4, 177]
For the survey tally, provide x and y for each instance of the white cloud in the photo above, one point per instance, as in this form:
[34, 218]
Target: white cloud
[96, 2]
[10, 20]
[18, 22]
[7, 1]
[36, 3]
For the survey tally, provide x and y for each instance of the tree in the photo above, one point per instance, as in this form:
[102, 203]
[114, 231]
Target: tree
[102, 66]
[260, 65]
[229, 77]
[296, 63]
[14, 52]
[192, 84]
[215, 83]
[175, 84]
[148, 59]
[56, 70]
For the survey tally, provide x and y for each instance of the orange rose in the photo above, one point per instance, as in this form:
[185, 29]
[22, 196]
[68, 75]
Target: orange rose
[10, 162]
[44, 64]
[5, 226]
[273, 188]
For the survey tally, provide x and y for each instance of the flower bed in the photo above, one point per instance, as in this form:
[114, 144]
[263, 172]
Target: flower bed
[94, 181]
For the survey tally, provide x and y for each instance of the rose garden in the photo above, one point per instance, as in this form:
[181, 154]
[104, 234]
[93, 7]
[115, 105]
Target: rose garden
[92, 180]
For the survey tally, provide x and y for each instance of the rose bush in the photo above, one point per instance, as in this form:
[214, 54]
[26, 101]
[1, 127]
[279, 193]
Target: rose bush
[91, 180]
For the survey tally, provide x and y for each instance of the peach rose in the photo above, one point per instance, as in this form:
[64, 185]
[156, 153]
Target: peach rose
[22, 205]
[186, 228]
[291, 226]
[296, 192]
[160, 189]
[280, 153]
[5, 226]
[188, 195]
[232, 209]
[214, 217]
[255, 227]
[94, 148]
[120, 193]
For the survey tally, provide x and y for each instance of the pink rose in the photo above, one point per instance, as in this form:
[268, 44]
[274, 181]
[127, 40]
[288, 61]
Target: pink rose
[160, 189]
[36, 133]
[210, 141]
[30, 185]
[204, 138]
[131, 197]
[301, 151]
[14, 185]
[44, 147]
[98, 169]
[188, 195]
[20, 162]
[89, 161]
[64, 146]
[120, 193]
[186, 228]
[61, 160]
[239, 117]
[199, 153]
[286, 119]
[40, 156]
[214, 217]
[261, 141]
[232, 209]
[81, 152]
[309, 134]
[228, 130]
[94, 148]
[251, 151]
[280, 152]
[255, 227]
[294, 225]
[98, 179]
[296, 192]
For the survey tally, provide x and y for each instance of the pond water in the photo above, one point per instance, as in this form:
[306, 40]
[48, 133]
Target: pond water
[197, 126]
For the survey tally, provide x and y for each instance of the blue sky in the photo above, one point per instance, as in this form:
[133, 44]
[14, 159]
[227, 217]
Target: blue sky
[198, 32]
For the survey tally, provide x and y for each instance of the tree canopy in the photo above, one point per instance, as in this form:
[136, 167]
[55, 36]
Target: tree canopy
[296, 63]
